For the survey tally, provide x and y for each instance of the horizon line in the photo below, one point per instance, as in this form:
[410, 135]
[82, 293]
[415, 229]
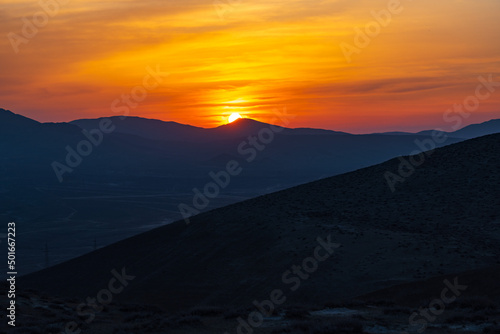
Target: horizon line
[252, 119]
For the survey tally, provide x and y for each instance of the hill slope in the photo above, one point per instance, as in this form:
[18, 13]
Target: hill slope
[444, 218]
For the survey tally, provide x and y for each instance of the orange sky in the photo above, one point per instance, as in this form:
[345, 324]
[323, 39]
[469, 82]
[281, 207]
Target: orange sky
[259, 56]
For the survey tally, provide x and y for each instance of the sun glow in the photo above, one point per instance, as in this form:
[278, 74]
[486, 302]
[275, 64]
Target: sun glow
[234, 117]
[268, 55]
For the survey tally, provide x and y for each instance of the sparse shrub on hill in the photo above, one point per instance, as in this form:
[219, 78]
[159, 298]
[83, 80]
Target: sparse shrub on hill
[475, 303]
[188, 320]
[495, 329]
[326, 326]
[207, 311]
[297, 313]
[235, 313]
[396, 310]
[31, 330]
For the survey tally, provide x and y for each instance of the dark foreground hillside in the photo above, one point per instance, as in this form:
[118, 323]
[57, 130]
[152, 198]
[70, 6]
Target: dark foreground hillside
[444, 218]
[44, 314]
[481, 284]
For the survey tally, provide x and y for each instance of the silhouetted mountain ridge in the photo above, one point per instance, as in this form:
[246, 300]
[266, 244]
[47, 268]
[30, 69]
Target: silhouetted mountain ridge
[467, 132]
[172, 131]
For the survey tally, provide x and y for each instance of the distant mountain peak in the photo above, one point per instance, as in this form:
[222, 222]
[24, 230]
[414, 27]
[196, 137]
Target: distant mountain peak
[245, 122]
[7, 113]
[9, 120]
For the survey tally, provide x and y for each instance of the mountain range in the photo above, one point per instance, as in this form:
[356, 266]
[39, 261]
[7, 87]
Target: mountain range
[172, 131]
[444, 218]
[144, 169]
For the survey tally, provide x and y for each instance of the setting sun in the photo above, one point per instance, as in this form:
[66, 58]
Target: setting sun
[234, 117]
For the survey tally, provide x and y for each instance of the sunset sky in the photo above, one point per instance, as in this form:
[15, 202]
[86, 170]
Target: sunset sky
[251, 58]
